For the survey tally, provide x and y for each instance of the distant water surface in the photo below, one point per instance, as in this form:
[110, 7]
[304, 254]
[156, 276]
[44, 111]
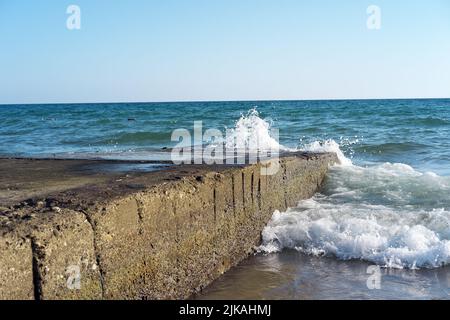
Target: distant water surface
[414, 132]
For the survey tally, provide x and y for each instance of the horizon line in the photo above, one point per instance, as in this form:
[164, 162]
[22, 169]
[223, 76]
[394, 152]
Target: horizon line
[213, 101]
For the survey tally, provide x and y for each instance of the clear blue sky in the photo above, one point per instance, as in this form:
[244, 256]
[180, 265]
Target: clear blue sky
[166, 50]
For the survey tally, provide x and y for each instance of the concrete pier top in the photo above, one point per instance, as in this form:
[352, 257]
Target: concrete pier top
[95, 229]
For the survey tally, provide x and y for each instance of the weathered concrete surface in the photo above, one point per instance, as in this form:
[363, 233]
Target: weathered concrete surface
[154, 235]
[16, 275]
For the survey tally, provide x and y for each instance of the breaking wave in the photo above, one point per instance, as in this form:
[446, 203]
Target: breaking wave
[389, 214]
[253, 133]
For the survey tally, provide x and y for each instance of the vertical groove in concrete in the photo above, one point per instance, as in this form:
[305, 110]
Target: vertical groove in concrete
[177, 226]
[140, 212]
[234, 196]
[243, 190]
[178, 240]
[259, 194]
[96, 252]
[215, 205]
[37, 277]
[251, 189]
[285, 177]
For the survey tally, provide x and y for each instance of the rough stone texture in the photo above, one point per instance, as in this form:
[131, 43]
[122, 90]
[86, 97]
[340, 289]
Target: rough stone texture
[63, 251]
[16, 276]
[158, 235]
[53, 248]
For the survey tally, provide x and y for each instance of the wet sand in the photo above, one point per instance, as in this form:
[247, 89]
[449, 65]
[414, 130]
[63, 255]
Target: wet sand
[292, 275]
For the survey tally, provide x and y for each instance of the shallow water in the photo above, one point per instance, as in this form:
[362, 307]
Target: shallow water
[293, 275]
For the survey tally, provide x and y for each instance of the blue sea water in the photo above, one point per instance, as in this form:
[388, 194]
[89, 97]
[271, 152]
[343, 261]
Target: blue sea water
[414, 132]
[387, 203]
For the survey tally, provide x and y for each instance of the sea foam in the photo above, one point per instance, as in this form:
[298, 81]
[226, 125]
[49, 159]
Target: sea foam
[328, 146]
[253, 133]
[389, 214]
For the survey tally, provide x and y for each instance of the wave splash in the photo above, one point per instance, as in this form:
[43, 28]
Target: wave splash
[328, 146]
[253, 133]
[388, 214]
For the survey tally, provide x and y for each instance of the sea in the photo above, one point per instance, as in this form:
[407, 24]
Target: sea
[378, 229]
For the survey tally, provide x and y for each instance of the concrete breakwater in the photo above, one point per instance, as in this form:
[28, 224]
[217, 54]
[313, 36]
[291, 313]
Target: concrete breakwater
[93, 234]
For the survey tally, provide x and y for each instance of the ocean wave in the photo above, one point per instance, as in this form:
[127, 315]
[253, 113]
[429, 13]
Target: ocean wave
[252, 133]
[427, 121]
[389, 214]
[137, 138]
[390, 148]
[328, 146]
[382, 235]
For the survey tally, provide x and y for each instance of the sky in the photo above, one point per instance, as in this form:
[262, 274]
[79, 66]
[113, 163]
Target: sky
[197, 50]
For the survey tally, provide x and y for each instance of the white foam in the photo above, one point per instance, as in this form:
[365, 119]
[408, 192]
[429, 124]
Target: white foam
[378, 235]
[252, 133]
[389, 214]
[328, 146]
